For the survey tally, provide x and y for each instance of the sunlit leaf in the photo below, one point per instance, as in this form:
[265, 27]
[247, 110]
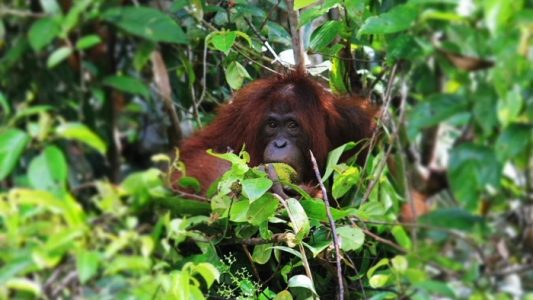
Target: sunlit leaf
[146, 22]
[42, 32]
[12, 144]
[399, 18]
[81, 133]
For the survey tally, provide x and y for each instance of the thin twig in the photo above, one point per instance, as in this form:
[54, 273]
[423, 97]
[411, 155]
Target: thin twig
[268, 16]
[384, 241]
[373, 139]
[191, 196]
[394, 136]
[251, 259]
[332, 225]
[4, 11]
[296, 35]
[163, 85]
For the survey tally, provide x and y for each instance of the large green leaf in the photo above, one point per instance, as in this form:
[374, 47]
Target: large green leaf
[127, 84]
[262, 209]
[146, 22]
[452, 218]
[351, 238]
[42, 32]
[12, 144]
[255, 187]
[82, 134]
[434, 110]
[472, 169]
[399, 18]
[324, 35]
[48, 171]
[513, 140]
[223, 40]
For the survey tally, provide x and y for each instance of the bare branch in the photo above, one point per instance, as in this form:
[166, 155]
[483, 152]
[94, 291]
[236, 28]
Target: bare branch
[336, 244]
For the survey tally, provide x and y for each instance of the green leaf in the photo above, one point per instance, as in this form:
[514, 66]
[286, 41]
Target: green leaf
[223, 40]
[42, 32]
[381, 263]
[337, 77]
[324, 35]
[208, 272]
[127, 84]
[333, 158]
[301, 281]
[513, 140]
[436, 287]
[345, 181]
[378, 280]
[239, 211]
[147, 23]
[262, 253]
[473, 168]
[87, 263]
[302, 3]
[82, 134]
[283, 295]
[399, 18]
[88, 42]
[401, 237]
[399, 264]
[58, 56]
[255, 187]
[452, 218]
[24, 284]
[235, 75]
[49, 171]
[133, 264]
[299, 220]
[434, 110]
[352, 238]
[262, 209]
[12, 144]
[509, 107]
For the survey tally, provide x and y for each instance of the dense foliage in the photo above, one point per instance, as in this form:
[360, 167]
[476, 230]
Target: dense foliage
[84, 105]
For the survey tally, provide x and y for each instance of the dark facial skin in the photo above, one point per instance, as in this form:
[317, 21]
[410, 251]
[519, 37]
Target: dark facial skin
[285, 140]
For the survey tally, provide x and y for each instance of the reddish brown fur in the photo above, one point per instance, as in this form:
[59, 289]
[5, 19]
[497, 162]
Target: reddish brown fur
[327, 120]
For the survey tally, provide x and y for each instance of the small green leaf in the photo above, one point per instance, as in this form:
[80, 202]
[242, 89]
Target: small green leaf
[399, 18]
[262, 253]
[401, 237]
[58, 56]
[87, 263]
[324, 35]
[88, 42]
[42, 32]
[399, 263]
[333, 158]
[351, 238]
[255, 187]
[235, 75]
[302, 3]
[303, 282]
[25, 285]
[283, 295]
[208, 272]
[146, 22]
[345, 181]
[12, 144]
[127, 84]
[82, 134]
[223, 40]
[299, 219]
[378, 280]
